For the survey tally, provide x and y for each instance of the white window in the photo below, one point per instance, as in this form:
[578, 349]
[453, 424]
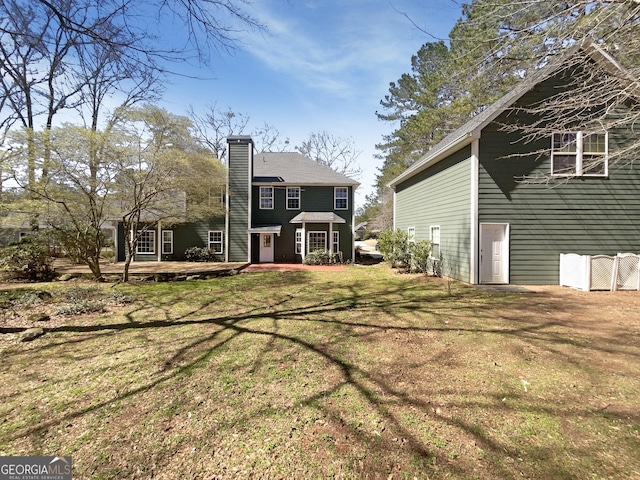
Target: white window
[411, 234]
[146, 242]
[298, 241]
[336, 242]
[316, 241]
[215, 241]
[293, 198]
[435, 241]
[579, 154]
[167, 242]
[341, 198]
[266, 198]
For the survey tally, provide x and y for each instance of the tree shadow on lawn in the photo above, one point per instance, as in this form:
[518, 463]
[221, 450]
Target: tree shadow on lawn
[405, 309]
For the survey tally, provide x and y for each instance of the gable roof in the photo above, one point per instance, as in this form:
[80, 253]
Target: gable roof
[471, 130]
[293, 168]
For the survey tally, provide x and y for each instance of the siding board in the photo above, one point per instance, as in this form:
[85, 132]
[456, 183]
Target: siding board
[580, 215]
[441, 196]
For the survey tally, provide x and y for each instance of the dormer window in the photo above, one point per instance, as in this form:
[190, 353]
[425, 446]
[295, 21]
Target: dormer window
[576, 154]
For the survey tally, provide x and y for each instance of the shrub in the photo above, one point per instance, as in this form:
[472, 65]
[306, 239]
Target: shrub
[394, 247]
[200, 254]
[30, 259]
[420, 255]
[321, 257]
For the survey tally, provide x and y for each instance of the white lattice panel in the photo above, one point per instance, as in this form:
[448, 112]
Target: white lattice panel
[601, 272]
[628, 269]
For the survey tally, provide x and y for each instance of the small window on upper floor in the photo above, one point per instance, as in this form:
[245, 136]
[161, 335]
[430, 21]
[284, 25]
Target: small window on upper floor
[266, 198]
[293, 198]
[576, 154]
[341, 198]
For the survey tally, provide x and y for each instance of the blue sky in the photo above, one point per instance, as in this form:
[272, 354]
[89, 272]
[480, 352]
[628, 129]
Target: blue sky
[323, 65]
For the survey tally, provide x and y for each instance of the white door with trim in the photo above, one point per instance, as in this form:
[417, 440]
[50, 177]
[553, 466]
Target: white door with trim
[494, 253]
[266, 248]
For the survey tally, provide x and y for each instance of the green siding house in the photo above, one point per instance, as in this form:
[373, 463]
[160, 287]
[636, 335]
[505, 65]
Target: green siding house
[282, 206]
[279, 207]
[501, 211]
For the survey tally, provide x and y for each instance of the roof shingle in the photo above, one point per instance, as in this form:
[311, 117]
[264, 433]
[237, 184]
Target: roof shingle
[293, 168]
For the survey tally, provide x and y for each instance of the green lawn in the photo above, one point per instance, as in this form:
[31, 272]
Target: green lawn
[360, 374]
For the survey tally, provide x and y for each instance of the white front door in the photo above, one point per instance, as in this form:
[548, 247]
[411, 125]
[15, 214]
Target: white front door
[494, 253]
[266, 248]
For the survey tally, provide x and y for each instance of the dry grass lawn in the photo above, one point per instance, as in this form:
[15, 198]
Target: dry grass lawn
[364, 373]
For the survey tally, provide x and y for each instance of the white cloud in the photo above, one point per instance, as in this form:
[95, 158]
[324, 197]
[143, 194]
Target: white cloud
[334, 49]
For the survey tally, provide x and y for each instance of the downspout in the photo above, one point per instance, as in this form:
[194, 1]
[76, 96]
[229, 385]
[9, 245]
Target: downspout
[331, 238]
[159, 241]
[304, 240]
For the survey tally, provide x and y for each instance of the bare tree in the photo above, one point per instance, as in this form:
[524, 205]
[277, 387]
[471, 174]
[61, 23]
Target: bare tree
[207, 25]
[268, 138]
[337, 153]
[164, 176]
[215, 125]
[501, 37]
[36, 81]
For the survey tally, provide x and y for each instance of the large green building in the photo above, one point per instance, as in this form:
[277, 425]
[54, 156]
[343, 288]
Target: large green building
[501, 210]
[279, 207]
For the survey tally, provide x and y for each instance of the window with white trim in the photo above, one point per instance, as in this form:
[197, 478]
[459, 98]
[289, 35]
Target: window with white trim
[298, 241]
[434, 236]
[216, 241]
[146, 242]
[316, 241]
[341, 198]
[580, 154]
[411, 234]
[167, 242]
[336, 242]
[266, 198]
[293, 198]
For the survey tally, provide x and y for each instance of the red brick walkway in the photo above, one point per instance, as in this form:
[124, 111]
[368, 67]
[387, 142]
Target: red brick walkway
[283, 267]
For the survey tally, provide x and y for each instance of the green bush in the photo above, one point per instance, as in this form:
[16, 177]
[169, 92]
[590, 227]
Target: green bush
[30, 259]
[200, 254]
[420, 255]
[321, 257]
[394, 247]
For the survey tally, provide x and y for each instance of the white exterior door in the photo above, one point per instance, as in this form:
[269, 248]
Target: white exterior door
[266, 248]
[494, 253]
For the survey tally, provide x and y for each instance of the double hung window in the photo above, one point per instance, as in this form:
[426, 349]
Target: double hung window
[435, 241]
[266, 198]
[579, 154]
[216, 241]
[167, 242]
[293, 198]
[341, 198]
